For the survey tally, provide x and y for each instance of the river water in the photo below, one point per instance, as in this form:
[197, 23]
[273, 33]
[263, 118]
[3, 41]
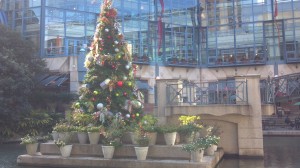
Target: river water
[280, 152]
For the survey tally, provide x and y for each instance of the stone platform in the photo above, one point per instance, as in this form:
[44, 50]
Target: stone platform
[90, 156]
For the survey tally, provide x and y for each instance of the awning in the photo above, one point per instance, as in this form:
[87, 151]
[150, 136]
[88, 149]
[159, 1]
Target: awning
[143, 85]
[57, 64]
[54, 80]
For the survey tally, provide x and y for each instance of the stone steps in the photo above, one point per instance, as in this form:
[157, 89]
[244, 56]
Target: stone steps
[90, 156]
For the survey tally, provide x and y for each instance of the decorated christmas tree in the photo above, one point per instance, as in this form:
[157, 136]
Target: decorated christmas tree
[109, 85]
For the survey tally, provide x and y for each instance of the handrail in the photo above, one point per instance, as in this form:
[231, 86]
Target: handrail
[190, 93]
[281, 88]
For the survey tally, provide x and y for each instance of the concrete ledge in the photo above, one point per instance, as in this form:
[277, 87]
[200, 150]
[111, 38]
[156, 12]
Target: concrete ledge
[126, 151]
[281, 132]
[93, 162]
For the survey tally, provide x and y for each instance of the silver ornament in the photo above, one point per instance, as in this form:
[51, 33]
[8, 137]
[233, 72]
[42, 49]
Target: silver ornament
[99, 106]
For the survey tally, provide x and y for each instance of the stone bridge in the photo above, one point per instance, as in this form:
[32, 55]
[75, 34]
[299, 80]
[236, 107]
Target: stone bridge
[240, 123]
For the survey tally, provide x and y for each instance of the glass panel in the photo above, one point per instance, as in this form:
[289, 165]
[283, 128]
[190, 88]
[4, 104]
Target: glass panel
[75, 24]
[32, 3]
[54, 32]
[78, 5]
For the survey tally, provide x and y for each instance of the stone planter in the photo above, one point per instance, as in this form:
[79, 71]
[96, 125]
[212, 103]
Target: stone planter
[197, 156]
[32, 148]
[108, 151]
[170, 138]
[66, 150]
[54, 135]
[82, 137]
[210, 151]
[141, 152]
[94, 137]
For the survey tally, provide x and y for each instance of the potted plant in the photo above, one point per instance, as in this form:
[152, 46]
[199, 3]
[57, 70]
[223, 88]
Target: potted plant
[94, 134]
[81, 119]
[141, 150]
[64, 148]
[132, 129]
[111, 141]
[82, 134]
[54, 134]
[169, 132]
[148, 124]
[189, 127]
[64, 131]
[112, 137]
[31, 144]
[196, 149]
[205, 131]
[212, 144]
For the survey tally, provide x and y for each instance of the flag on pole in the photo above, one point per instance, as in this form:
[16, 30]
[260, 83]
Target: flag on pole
[275, 9]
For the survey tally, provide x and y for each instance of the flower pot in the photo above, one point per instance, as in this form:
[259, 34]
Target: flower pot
[141, 152]
[64, 136]
[31, 148]
[54, 135]
[170, 138]
[215, 147]
[197, 156]
[73, 137]
[66, 150]
[152, 138]
[210, 151]
[133, 137]
[108, 151]
[82, 137]
[94, 137]
[188, 138]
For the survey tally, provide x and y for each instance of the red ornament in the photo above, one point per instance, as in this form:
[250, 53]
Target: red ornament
[125, 94]
[133, 116]
[113, 66]
[93, 99]
[120, 83]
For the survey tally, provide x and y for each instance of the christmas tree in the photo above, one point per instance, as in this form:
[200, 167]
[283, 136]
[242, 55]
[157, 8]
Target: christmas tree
[109, 85]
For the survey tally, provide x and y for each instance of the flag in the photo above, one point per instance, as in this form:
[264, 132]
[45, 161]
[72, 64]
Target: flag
[275, 9]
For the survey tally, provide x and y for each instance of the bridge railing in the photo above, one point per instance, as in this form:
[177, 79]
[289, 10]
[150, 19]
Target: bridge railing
[190, 93]
[280, 88]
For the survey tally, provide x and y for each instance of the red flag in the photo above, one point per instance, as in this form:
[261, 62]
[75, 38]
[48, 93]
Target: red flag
[276, 9]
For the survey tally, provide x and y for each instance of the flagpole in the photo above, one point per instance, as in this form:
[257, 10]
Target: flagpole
[278, 36]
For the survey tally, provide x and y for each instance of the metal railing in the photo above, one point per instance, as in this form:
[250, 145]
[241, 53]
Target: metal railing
[190, 93]
[281, 88]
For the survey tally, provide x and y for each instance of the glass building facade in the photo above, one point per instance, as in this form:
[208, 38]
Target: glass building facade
[188, 33]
